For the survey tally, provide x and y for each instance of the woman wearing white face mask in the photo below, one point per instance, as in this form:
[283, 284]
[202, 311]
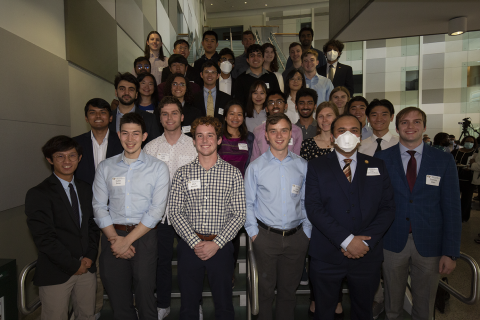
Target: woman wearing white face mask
[339, 73]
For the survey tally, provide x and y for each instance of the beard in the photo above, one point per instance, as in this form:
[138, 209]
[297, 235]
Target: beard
[125, 103]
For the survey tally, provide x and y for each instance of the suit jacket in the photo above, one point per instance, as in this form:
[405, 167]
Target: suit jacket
[152, 126]
[343, 76]
[86, 167]
[328, 201]
[433, 211]
[59, 240]
[221, 101]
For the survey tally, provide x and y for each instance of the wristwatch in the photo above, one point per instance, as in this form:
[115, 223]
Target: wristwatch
[453, 258]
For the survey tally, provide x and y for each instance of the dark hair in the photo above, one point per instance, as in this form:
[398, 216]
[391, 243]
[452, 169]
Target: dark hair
[475, 143]
[440, 139]
[334, 43]
[161, 56]
[332, 126]
[406, 111]
[98, 103]
[180, 41]
[274, 63]
[305, 29]
[253, 87]
[289, 76]
[207, 121]
[375, 103]
[127, 76]
[426, 138]
[275, 118]
[177, 58]
[243, 127]
[255, 48]
[306, 93]
[224, 52]
[248, 32]
[451, 136]
[139, 59]
[167, 89]
[273, 92]
[154, 95]
[354, 99]
[170, 100]
[209, 64]
[293, 44]
[133, 117]
[59, 144]
[210, 33]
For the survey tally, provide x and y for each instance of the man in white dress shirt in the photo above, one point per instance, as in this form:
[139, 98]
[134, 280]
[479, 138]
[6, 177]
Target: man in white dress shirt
[226, 63]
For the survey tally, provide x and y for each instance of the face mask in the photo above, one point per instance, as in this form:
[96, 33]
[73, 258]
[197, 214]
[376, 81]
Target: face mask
[332, 55]
[468, 145]
[347, 141]
[451, 141]
[226, 67]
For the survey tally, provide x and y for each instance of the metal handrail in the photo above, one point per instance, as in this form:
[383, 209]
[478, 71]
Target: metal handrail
[231, 40]
[23, 299]
[257, 37]
[252, 280]
[274, 42]
[475, 284]
[278, 56]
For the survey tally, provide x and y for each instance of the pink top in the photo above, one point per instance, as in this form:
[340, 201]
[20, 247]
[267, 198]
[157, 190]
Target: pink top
[260, 144]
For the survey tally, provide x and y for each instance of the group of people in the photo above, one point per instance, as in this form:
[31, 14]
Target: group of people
[198, 152]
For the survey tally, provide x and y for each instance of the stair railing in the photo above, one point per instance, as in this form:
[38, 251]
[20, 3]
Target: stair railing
[257, 37]
[281, 56]
[24, 309]
[252, 281]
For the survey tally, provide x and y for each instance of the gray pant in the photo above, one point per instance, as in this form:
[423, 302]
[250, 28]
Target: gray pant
[280, 263]
[424, 274]
[122, 278]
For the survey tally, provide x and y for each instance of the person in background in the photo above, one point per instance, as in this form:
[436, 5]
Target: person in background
[154, 52]
[427, 140]
[241, 61]
[306, 37]
[314, 81]
[295, 80]
[465, 175]
[340, 74]
[453, 145]
[340, 96]
[147, 99]
[295, 54]
[142, 65]
[209, 44]
[178, 64]
[271, 62]
[306, 101]
[357, 107]
[255, 113]
[182, 47]
[226, 63]
[441, 142]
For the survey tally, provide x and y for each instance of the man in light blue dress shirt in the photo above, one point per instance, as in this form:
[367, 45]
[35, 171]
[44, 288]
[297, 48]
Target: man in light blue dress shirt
[314, 81]
[276, 219]
[130, 194]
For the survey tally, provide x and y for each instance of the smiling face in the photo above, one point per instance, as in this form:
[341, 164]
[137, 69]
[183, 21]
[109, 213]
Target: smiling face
[295, 83]
[98, 118]
[206, 140]
[234, 117]
[126, 93]
[65, 163]
[255, 60]
[305, 106]
[357, 109]
[247, 41]
[259, 96]
[209, 76]
[410, 128]
[131, 137]
[306, 38]
[269, 54]
[147, 86]
[170, 117]
[142, 67]
[380, 119]
[309, 63]
[278, 135]
[295, 53]
[325, 118]
[340, 99]
[182, 49]
[179, 87]
[178, 67]
[275, 104]
[210, 44]
[154, 42]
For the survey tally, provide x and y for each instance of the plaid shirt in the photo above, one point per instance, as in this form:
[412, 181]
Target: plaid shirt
[217, 207]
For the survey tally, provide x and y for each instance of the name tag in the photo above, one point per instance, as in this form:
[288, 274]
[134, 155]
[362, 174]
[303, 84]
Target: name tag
[373, 172]
[220, 111]
[118, 181]
[267, 85]
[433, 180]
[160, 69]
[194, 184]
[308, 86]
[163, 156]
[290, 143]
[243, 146]
[295, 189]
[186, 129]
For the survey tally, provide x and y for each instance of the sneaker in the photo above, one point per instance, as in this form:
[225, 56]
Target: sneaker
[200, 311]
[163, 313]
[304, 280]
[378, 308]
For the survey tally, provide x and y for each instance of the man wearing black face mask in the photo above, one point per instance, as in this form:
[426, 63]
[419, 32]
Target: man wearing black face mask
[340, 74]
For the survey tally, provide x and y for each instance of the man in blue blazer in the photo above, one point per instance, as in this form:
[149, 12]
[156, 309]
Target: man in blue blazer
[349, 201]
[425, 235]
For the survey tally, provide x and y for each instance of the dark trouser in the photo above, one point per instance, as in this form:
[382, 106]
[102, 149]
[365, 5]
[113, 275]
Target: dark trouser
[466, 188]
[362, 277]
[120, 276]
[191, 273]
[280, 262]
[165, 236]
[236, 248]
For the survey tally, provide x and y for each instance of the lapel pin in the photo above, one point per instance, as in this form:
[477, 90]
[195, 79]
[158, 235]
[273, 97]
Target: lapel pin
[366, 161]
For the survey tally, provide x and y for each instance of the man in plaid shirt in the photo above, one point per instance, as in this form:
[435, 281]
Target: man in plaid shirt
[207, 208]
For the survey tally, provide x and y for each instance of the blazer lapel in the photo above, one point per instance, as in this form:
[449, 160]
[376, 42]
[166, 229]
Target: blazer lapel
[88, 153]
[422, 172]
[82, 202]
[361, 172]
[397, 159]
[338, 172]
[58, 189]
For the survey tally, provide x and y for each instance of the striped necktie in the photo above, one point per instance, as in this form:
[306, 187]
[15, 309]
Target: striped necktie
[346, 169]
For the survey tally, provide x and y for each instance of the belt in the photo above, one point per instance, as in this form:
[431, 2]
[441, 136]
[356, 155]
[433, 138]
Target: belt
[284, 233]
[124, 227]
[210, 237]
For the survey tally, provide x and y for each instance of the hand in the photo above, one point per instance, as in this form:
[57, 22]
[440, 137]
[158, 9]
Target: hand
[357, 248]
[88, 262]
[254, 237]
[206, 249]
[114, 104]
[83, 267]
[128, 254]
[347, 254]
[472, 160]
[446, 265]
[119, 245]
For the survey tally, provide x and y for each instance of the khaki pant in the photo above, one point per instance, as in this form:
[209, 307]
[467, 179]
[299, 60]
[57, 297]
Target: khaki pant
[99, 293]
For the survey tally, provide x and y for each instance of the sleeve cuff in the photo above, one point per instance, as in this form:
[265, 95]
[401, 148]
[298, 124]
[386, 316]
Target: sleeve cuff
[346, 242]
[219, 241]
[193, 242]
[308, 231]
[103, 222]
[252, 231]
[148, 221]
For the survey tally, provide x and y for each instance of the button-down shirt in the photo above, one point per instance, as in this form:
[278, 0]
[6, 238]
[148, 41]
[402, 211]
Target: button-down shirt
[225, 85]
[291, 113]
[261, 145]
[309, 132]
[275, 192]
[250, 72]
[322, 85]
[181, 153]
[216, 207]
[367, 132]
[141, 197]
[157, 67]
[205, 97]
[65, 185]
[369, 145]
[99, 150]
[406, 156]
[258, 119]
[119, 116]
[241, 65]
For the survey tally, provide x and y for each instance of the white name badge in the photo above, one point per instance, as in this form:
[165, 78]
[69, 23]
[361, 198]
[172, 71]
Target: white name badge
[118, 181]
[373, 172]
[290, 143]
[267, 85]
[160, 69]
[243, 146]
[308, 86]
[220, 111]
[295, 189]
[194, 184]
[186, 129]
[433, 180]
[163, 156]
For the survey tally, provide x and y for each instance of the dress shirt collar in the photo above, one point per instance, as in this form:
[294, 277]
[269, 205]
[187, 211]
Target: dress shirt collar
[181, 140]
[249, 71]
[229, 79]
[314, 124]
[104, 139]
[132, 110]
[315, 76]
[64, 182]
[141, 157]
[218, 163]
[270, 156]
[334, 65]
[387, 136]
[341, 157]
[404, 149]
[154, 56]
[214, 90]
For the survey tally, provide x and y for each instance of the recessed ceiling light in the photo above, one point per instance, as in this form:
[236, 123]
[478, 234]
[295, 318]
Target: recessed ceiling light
[211, 4]
[245, 2]
[266, 4]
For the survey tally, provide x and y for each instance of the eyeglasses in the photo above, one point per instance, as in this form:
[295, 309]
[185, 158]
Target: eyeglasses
[180, 84]
[210, 72]
[143, 66]
[61, 157]
[182, 48]
[276, 102]
[232, 61]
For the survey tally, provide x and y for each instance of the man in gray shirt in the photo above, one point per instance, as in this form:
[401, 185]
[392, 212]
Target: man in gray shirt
[305, 103]
[241, 64]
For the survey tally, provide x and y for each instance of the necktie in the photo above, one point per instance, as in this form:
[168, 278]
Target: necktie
[346, 169]
[330, 73]
[74, 200]
[412, 170]
[210, 107]
[379, 147]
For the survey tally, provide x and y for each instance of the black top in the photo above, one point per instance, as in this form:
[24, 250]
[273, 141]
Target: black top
[150, 124]
[192, 74]
[310, 150]
[221, 100]
[244, 81]
[199, 62]
[343, 76]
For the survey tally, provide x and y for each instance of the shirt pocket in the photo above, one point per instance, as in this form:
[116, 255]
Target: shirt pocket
[295, 187]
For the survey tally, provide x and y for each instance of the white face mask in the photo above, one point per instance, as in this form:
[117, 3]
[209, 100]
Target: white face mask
[332, 55]
[226, 67]
[347, 141]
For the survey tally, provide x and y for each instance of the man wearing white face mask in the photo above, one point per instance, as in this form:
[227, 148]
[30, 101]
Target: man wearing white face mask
[226, 64]
[348, 221]
[339, 73]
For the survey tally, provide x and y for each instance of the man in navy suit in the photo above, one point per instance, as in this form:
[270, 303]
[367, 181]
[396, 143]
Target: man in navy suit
[349, 201]
[340, 74]
[425, 235]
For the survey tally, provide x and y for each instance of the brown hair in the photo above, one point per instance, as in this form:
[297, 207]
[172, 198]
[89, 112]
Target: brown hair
[406, 111]
[310, 51]
[324, 105]
[207, 121]
[274, 63]
[161, 56]
[275, 118]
